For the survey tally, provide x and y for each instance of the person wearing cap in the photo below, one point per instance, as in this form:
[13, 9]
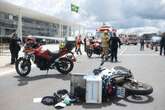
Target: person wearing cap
[14, 48]
[105, 44]
[162, 44]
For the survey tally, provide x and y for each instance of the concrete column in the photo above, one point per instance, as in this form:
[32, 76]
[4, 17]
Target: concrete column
[67, 30]
[19, 28]
[59, 31]
[62, 34]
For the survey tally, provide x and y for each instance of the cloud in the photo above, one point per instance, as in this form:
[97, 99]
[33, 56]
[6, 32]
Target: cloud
[118, 13]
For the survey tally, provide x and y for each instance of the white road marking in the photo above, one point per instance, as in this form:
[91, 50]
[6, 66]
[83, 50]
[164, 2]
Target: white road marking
[37, 100]
[123, 51]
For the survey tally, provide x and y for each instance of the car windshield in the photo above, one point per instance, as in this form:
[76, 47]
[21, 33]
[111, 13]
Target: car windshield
[99, 34]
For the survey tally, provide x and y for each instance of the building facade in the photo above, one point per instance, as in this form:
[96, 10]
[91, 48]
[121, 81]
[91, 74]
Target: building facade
[9, 23]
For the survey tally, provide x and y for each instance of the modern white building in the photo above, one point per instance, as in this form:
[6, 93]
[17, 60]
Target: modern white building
[33, 23]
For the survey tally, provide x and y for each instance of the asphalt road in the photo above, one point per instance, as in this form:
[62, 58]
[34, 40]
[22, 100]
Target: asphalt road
[17, 93]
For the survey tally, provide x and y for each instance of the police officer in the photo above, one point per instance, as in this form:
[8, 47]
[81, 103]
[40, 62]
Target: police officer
[141, 44]
[162, 44]
[114, 44]
[14, 47]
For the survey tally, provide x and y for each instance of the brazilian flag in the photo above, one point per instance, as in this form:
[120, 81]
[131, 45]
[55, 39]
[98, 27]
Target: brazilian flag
[74, 8]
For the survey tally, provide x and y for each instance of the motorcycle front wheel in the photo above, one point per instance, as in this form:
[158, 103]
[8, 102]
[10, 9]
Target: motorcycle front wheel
[89, 53]
[23, 67]
[137, 88]
[64, 65]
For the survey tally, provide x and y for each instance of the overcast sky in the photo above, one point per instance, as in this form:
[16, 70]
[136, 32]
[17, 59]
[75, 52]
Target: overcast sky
[118, 13]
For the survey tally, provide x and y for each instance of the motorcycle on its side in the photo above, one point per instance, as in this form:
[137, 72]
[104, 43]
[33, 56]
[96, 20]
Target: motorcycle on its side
[63, 61]
[121, 77]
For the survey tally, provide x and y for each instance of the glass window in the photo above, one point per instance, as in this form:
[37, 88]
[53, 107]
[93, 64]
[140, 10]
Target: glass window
[2, 15]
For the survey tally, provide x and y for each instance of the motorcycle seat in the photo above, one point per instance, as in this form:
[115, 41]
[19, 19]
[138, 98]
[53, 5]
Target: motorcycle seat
[54, 55]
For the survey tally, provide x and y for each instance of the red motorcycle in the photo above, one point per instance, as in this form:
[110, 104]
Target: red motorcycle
[45, 60]
[94, 48]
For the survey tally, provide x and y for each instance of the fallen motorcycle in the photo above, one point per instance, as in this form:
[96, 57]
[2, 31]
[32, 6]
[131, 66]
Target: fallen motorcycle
[121, 78]
[45, 60]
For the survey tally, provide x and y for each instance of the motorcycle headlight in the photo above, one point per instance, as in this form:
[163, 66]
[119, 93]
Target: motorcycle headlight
[33, 58]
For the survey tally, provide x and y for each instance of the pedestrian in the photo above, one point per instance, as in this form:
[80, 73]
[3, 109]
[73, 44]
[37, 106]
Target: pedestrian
[114, 44]
[162, 44]
[85, 46]
[75, 44]
[105, 44]
[78, 45]
[14, 47]
[141, 44]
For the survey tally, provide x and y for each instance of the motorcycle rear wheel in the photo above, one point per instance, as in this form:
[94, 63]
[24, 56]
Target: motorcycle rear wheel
[65, 65]
[137, 88]
[23, 67]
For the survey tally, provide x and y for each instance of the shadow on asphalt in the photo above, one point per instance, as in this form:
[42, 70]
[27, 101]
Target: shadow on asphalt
[116, 101]
[104, 104]
[24, 80]
[94, 57]
[108, 61]
[140, 99]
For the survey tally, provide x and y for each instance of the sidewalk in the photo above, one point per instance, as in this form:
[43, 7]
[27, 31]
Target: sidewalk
[5, 66]
[5, 61]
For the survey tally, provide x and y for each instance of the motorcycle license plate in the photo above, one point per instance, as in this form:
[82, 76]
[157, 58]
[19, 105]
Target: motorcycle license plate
[120, 92]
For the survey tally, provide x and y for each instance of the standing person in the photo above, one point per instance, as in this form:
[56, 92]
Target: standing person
[162, 44]
[85, 46]
[78, 45]
[14, 48]
[142, 44]
[105, 44]
[114, 44]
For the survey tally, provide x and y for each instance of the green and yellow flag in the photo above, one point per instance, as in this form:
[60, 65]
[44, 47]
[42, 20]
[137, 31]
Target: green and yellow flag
[74, 8]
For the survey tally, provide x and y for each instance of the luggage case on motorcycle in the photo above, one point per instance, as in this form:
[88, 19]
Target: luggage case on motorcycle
[93, 89]
[77, 81]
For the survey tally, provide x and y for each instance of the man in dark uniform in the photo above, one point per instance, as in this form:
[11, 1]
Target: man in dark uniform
[162, 44]
[85, 44]
[14, 48]
[114, 44]
[142, 44]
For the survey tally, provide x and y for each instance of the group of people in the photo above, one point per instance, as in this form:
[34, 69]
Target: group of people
[162, 44]
[110, 44]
